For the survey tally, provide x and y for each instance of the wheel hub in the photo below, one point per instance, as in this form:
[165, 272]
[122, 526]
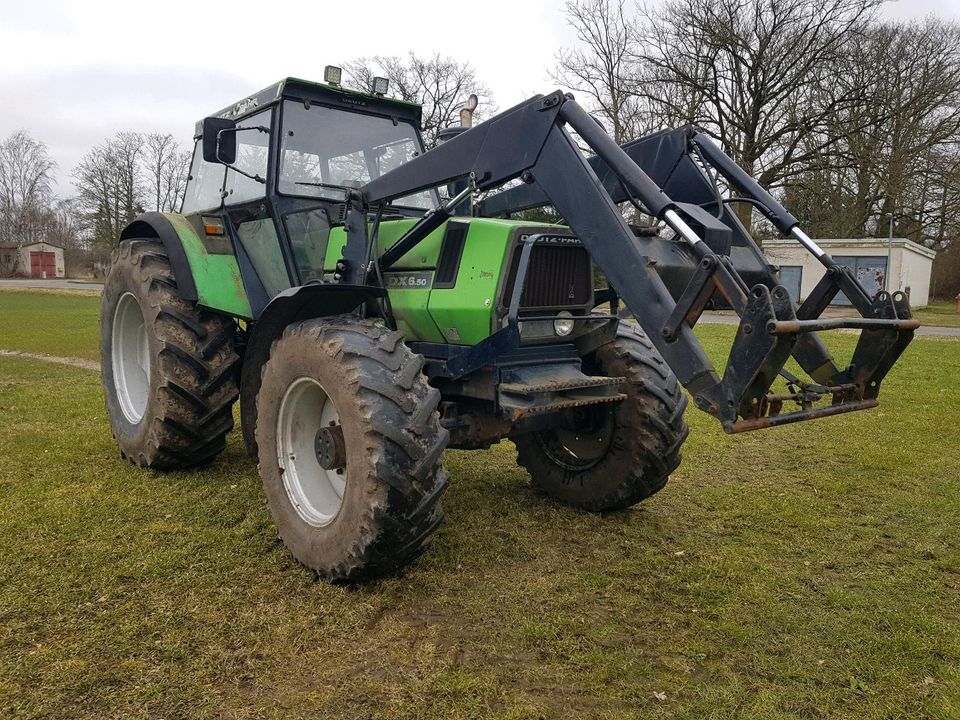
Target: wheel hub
[582, 439]
[330, 448]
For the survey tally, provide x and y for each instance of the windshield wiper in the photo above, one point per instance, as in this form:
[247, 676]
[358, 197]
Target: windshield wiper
[321, 185]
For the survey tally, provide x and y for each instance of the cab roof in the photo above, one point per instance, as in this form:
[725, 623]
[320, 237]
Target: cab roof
[309, 91]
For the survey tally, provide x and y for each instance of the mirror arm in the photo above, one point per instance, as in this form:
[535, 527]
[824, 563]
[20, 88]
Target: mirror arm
[255, 178]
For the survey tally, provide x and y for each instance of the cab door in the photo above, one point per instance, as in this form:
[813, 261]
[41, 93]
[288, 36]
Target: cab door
[247, 210]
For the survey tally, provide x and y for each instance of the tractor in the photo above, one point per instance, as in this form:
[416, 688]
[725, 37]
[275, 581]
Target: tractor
[370, 302]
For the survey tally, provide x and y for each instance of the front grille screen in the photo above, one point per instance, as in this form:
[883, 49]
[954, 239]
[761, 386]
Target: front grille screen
[558, 276]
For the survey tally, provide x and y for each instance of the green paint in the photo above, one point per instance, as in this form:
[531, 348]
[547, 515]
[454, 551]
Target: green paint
[465, 312]
[423, 256]
[368, 97]
[410, 308]
[219, 286]
[461, 315]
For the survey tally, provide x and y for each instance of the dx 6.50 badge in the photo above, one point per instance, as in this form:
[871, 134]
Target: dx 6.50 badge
[409, 280]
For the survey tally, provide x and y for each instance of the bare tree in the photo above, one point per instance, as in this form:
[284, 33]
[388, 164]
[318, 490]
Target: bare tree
[756, 74]
[166, 167]
[603, 66]
[899, 153]
[110, 189]
[439, 84]
[26, 179]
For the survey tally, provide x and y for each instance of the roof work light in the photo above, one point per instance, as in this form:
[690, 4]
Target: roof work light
[380, 85]
[332, 74]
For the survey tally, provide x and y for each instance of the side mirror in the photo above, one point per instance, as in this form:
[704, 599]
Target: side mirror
[219, 140]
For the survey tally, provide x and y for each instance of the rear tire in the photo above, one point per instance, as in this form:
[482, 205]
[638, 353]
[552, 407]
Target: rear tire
[169, 367]
[355, 380]
[613, 456]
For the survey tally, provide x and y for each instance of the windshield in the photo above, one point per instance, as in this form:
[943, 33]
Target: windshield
[325, 148]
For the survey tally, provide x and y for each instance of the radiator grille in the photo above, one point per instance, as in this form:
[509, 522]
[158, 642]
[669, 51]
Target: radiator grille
[558, 276]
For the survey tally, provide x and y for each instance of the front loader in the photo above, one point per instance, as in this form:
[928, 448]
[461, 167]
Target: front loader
[365, 323]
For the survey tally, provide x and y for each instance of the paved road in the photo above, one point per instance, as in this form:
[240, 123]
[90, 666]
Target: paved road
[53, 284]
[713, 318]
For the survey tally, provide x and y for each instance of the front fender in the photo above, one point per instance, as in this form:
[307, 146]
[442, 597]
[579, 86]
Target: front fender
[293, 305]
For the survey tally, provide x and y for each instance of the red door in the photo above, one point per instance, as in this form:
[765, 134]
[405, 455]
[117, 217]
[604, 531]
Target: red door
[43, 262]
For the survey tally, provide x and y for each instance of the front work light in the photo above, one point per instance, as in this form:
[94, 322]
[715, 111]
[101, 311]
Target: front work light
[563, 325]
[332, 74]
[380, 86]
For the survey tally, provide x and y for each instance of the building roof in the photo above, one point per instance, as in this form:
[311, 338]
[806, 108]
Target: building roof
[14, 246]
[834, 244]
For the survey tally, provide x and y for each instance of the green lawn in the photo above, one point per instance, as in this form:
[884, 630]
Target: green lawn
[941, 314]
[810, 571]
[53, 323]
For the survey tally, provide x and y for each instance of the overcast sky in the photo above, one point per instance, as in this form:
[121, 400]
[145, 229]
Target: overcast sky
[73, 72]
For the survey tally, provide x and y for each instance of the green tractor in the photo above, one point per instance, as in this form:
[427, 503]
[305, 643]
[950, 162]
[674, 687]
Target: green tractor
[370, 303]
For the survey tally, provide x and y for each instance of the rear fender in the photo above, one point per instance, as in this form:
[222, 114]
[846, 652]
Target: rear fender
[290, 306]
[157, 225]
[209, 278]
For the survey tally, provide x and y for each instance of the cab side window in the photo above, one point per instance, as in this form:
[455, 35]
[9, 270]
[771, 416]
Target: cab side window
[253, 147]
[204, 183]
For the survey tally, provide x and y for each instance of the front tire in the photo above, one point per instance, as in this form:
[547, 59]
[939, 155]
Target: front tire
[169, 367]
[349, 443]
[609, 457]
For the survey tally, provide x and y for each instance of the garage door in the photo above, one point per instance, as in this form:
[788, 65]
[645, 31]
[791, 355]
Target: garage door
[870, 272]
[790, 278]
[43, 262]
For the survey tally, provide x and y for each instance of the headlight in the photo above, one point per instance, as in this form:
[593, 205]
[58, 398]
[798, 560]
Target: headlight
[563, 325]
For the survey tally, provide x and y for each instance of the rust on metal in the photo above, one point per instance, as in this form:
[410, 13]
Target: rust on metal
[762, 423]
[561, 385]
[517, 413]
[791, 327]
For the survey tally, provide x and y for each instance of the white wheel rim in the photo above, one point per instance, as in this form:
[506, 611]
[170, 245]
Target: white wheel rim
[314, 492]
[130, 351]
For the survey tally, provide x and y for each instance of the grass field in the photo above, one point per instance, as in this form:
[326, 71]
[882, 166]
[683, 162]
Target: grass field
[810, 571]
[942, 314]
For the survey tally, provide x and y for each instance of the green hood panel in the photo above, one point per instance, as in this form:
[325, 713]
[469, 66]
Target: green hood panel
[463, 314]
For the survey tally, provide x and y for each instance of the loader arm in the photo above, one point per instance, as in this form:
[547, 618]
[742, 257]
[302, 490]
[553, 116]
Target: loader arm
[531, 142]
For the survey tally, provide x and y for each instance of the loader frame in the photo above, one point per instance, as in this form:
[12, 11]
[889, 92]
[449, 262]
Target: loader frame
[665, 283]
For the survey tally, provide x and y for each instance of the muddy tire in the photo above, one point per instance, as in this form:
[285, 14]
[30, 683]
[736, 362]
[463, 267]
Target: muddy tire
[169, 368]
[609, 457]
[350, 443]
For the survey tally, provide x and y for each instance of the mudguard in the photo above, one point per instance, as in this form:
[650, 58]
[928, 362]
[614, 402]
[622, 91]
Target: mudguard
[157, 225]
[211, 279]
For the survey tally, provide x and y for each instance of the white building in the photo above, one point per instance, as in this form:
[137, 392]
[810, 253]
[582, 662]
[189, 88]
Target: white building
[910, 266]
[37, 260]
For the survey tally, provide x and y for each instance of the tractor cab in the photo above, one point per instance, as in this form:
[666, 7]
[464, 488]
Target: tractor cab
[273, 173]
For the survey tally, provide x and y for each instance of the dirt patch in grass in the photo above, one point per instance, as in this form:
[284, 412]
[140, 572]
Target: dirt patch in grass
[80, 290]
[72, 362]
